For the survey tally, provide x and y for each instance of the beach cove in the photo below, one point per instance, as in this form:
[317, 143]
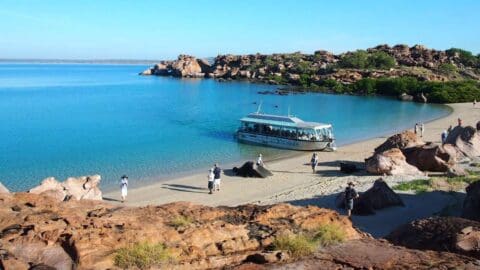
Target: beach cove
[294, 182]
[65, 120]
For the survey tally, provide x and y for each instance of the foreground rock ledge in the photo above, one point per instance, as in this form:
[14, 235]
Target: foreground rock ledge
[37, 229]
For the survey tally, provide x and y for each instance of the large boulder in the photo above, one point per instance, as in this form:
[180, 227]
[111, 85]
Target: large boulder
[187, 66]
[379, 196]
[430, 157]
[450, 234]
[390, 162]
[471, 203]
[250, 169]
[466, 140]
[401, 141]
[81, 188]
[51, 187]
[84, 187]
[3, 189]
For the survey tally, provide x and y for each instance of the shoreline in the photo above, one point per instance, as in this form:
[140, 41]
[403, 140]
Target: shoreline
[158, 179]
[287, 172]
[293, 182]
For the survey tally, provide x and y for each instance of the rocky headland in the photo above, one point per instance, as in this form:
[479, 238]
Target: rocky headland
[361, 72]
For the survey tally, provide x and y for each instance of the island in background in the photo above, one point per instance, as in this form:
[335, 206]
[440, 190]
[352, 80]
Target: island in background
[411, 73]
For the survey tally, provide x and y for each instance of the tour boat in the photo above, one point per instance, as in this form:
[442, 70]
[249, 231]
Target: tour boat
[288, 132]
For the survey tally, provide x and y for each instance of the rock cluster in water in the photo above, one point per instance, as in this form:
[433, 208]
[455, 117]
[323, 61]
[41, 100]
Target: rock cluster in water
[417, 61]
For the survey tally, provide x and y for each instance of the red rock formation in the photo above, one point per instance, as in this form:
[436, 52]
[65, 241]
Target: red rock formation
[390, 162]
[450, 234]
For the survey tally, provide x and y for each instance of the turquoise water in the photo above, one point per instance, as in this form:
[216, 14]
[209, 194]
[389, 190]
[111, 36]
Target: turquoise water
[69, 120]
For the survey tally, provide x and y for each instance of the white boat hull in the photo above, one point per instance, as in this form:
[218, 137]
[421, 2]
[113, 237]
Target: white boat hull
[284, 143]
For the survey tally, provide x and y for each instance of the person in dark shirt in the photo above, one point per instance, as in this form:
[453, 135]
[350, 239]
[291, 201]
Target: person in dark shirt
[217, 172]
[350, 195]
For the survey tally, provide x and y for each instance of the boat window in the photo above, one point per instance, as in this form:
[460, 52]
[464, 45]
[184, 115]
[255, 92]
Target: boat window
[307, 134]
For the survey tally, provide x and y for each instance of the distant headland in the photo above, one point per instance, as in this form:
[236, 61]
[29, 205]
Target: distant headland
[411, 73]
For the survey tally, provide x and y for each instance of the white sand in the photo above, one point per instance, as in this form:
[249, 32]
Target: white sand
[294, 182]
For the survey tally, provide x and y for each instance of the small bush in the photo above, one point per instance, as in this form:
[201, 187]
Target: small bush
[297, 245]
[180, 221]
[329, 234]
[304, 244]
[142, 255]
[418, 186]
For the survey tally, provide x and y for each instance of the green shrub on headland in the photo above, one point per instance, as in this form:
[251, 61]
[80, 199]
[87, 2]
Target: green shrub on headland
[436, 92]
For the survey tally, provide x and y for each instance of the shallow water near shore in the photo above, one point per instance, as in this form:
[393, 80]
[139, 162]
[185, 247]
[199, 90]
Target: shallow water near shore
[68, 120]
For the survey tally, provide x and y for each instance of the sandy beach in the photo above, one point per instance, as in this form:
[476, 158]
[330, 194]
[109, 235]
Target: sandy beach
[294, 182]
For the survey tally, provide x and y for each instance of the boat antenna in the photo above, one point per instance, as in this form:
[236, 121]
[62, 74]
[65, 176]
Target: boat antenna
[259, 107]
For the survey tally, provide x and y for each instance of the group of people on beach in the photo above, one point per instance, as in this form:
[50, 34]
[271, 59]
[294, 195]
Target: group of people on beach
[419, 129]
[450, 128]
[214, 178]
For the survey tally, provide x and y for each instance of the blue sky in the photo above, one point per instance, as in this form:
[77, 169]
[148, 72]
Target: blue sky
[122, 29]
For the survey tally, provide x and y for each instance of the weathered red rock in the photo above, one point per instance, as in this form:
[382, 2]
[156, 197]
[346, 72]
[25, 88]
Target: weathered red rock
[390, 162]
[401, 141]
[450, 234]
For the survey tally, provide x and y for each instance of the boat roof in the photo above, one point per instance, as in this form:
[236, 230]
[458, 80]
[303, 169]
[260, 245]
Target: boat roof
[286, 121]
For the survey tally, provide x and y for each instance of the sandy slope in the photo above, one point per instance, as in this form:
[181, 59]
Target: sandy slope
[294, 182]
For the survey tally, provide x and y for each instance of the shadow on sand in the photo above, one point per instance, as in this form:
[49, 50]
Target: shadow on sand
[111, 199]
[185, 188]
[417, 206]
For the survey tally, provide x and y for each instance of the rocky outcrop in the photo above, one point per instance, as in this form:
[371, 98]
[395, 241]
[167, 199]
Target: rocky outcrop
[81, 188]
[466, 141]
[430, 157]
[450, 234]
[390, 162]
[374, 254]
[401, 141]
[85, 234]
[184, 66]
[471, 203]
[417, 61]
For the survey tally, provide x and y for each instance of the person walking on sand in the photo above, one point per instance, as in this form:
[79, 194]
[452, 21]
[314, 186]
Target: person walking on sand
[217, 172]
[124, 187]
[314, 162]
[415, 128]
[260, 161]
[422, 129]
[211, 178]
[350, 195]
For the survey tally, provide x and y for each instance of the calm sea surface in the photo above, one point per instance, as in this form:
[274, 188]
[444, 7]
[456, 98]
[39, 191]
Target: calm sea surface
[70, 120]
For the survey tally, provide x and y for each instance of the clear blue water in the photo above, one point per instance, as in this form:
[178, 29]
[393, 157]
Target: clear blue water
[69, 120]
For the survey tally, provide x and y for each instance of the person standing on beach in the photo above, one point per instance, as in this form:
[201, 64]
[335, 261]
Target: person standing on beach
[217, 172]
[444, 136]
[124, 187]
[449, 129]
[459, 122]
[474, 103]
[350, 195]
[314, 162]
[422, 129]
[259, 160]
[211, 178]
[415, 128]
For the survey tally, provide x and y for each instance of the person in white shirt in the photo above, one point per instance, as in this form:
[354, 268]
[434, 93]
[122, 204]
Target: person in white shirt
[211, 178]
[259, 160]
[124, 187]
[314, 162]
